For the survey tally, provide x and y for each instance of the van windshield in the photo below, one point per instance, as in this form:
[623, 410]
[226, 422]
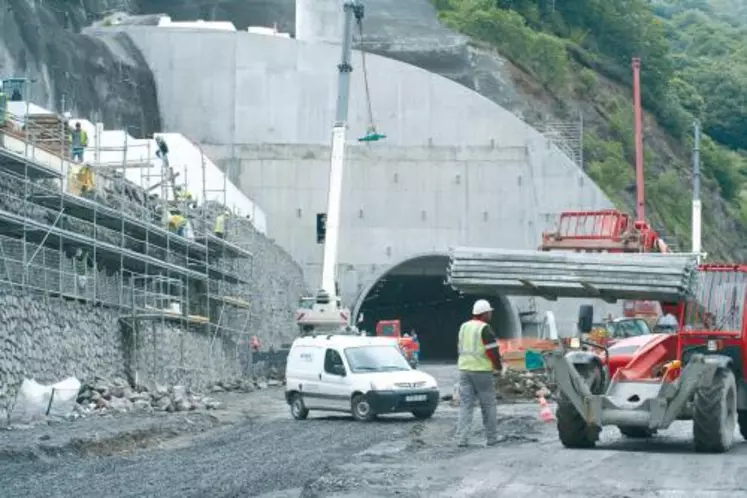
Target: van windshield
[363, 359]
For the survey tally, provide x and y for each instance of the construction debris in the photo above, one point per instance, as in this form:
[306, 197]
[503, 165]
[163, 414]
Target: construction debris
[101, 396]
[516, 385]
[608, 276]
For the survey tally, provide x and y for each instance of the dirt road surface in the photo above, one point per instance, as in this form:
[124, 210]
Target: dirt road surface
[254, 448]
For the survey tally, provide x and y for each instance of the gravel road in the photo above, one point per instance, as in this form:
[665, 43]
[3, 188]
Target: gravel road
[257, 450]
[248, 458]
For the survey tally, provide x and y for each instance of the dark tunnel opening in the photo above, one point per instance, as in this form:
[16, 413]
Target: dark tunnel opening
[415, 293]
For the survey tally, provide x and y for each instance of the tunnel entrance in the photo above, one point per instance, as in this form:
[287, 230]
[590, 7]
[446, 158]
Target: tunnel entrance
[415, 293]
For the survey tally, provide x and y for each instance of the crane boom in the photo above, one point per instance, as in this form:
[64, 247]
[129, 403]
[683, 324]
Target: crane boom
[325, 311]
[353, 10]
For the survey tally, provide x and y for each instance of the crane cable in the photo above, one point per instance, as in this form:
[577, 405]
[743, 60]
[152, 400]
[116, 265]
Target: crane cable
[371, 133]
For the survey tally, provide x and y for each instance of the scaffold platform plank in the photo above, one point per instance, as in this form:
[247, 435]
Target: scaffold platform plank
[233, 301]
[94, 212]
[169, 315]
[25, 167]
[54, 237]
[216, 245]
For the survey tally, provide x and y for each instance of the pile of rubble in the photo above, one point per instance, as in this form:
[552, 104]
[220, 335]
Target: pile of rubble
[101, 396]
[516, 385]
[524, 384]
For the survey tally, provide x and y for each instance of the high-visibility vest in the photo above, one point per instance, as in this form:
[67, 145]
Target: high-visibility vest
[177, 221]
[3, 108]
[220, 224]
[85, 178]
[472, 355]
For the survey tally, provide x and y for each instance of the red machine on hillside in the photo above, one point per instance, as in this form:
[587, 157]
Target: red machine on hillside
[611, 230]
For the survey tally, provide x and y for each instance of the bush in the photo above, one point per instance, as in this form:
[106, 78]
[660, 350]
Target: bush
[543, 55]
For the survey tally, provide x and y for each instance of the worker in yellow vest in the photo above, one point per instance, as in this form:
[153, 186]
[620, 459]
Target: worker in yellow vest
[220, 225]
[479, 357]
[85, 180]
[3, 108]
[177, 223]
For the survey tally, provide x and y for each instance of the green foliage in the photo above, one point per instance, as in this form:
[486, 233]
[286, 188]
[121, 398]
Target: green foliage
[607, 165]
[694, 66]
[588, 81]
[539, 53]
[724, 166]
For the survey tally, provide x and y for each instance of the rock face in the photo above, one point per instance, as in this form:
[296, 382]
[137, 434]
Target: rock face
[103, 77]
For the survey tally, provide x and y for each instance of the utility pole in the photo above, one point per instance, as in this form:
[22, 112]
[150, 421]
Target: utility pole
[640, 192]
[697, 207]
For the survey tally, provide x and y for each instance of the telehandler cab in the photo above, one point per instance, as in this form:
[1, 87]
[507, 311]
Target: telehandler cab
[697, 374]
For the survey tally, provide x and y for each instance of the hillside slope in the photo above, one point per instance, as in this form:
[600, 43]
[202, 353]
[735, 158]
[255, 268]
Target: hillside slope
[573, 56]
[104, 78]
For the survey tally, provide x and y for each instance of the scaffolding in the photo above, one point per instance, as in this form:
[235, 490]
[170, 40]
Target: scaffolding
[568, 136]
[110, 245]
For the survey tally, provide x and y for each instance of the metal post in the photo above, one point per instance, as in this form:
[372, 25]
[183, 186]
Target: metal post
[640, 193]
[697, 207]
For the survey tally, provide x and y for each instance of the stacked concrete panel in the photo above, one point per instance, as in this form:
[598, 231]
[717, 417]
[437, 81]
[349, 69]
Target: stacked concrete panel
[662, 277]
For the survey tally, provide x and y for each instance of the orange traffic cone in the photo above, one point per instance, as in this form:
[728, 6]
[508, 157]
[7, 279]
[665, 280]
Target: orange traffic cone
[545, 412]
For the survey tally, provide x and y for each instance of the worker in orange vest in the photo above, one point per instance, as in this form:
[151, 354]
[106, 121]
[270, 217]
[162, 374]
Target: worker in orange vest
[415, 346]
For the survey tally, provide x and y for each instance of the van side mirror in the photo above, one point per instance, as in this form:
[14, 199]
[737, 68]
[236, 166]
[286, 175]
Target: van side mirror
[339, 369]
[585, 318]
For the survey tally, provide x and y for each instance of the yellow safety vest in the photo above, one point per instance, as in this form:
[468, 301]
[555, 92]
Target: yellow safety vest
[472, 355]
[220, 224]
[177, 221]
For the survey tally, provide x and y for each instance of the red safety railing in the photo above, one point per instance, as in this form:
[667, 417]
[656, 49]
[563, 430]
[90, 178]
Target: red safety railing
[605, 224]
[718, 308]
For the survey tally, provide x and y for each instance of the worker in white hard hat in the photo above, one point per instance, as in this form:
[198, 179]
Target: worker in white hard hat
[479, 357]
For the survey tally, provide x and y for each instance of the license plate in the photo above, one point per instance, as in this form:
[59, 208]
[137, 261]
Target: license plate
[416, 397]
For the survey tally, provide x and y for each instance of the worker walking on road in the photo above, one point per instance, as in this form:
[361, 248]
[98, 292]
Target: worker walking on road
[479, 357]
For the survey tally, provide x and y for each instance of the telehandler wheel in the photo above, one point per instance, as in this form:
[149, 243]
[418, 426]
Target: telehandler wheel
[715, 413]
[742, 417]
[573, 430]
[636, 432]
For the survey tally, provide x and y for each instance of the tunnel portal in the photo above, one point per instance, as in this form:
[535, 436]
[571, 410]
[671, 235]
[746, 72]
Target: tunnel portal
[415, 293]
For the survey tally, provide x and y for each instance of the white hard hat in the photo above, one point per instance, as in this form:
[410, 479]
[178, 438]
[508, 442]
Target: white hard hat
[481, 306]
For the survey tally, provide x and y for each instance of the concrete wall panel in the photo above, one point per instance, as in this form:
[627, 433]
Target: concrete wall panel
[456, 169]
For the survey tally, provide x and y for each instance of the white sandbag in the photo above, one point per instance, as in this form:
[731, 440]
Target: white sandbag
[34, 400]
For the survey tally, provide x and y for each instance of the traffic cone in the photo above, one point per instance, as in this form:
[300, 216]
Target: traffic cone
[545, 412]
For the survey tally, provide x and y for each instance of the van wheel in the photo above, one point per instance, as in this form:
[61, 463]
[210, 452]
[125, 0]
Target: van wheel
[298, 408]
[423, 413]
[361, 409]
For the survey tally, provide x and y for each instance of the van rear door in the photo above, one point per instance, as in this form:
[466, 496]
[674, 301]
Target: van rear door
[304, 373]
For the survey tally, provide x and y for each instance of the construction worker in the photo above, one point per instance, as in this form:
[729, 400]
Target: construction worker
[220, 225]
[415, 346]
[85, 180]
[479, 357]
[177, 223]
[183, 196]
[78, 142]
[163, 150]
[3, 108]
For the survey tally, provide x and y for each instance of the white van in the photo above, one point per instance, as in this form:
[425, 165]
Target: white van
[365, 376]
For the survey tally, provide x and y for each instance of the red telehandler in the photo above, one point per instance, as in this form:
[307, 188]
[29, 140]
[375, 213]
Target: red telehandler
[697, 374]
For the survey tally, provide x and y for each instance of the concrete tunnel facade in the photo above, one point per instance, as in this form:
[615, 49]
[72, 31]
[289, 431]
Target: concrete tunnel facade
[456, 168]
